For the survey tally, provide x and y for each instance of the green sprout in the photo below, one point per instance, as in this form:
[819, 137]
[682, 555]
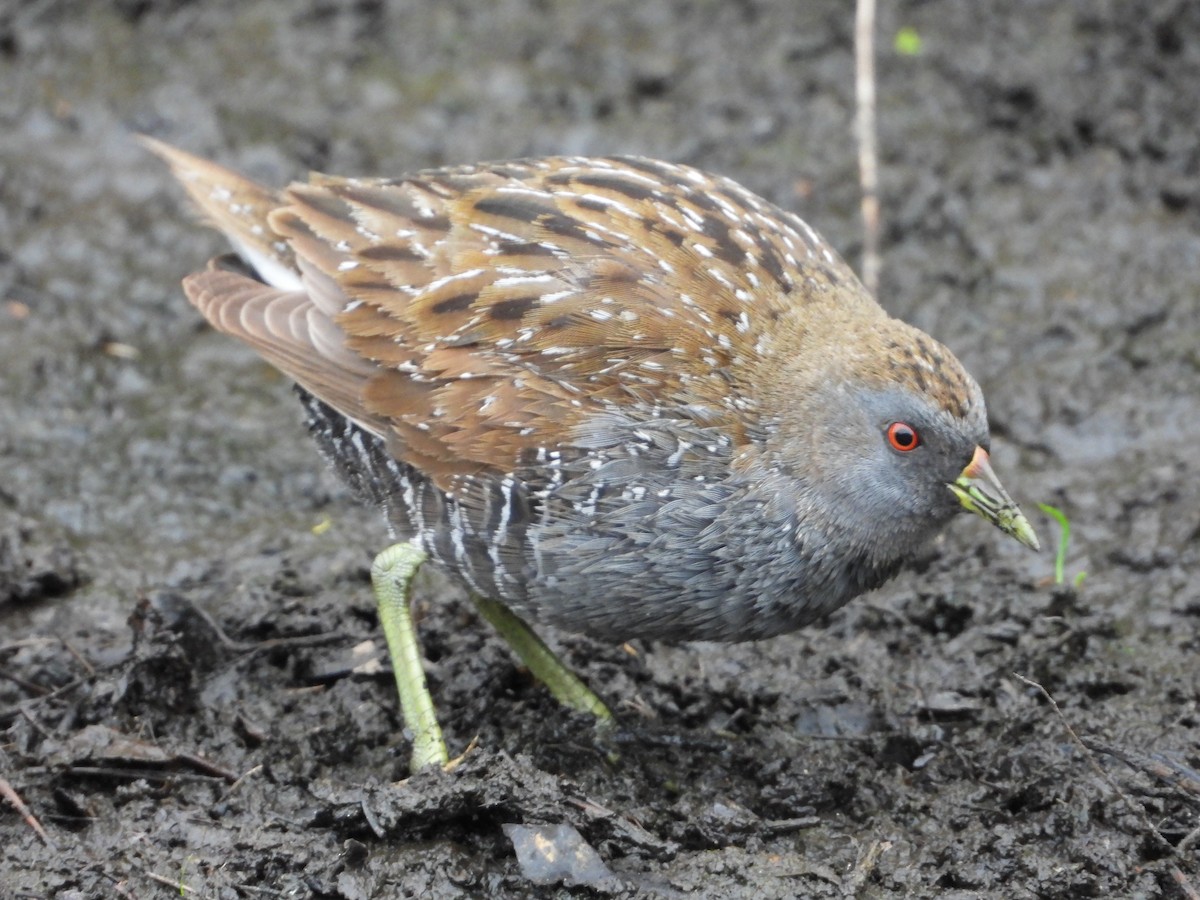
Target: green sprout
[1064, 536]
[907, 42]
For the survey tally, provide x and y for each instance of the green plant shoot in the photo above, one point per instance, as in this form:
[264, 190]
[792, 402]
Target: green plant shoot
[907, 42]
[1064, 537]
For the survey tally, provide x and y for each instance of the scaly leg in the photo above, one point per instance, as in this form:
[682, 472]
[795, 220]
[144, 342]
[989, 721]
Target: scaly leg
[547, 668]
[391, 575]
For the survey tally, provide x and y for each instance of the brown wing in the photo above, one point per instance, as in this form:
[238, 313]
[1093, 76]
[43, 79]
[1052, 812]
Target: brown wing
[507, 306]
[498, 311]
[289, 321]
[291, 332]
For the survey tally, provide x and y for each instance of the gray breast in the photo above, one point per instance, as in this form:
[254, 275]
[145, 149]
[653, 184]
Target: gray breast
[615, 546]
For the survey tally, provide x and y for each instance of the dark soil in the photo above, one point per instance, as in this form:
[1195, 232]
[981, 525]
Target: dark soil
[193, 697]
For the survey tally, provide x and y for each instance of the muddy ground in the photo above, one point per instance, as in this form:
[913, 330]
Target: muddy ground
[191, 695]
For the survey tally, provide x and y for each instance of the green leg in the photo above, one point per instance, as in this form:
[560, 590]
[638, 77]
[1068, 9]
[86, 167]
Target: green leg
[392, 574]
[564, 684]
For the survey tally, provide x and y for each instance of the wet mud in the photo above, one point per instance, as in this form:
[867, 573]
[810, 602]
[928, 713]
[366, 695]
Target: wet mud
[193, 690]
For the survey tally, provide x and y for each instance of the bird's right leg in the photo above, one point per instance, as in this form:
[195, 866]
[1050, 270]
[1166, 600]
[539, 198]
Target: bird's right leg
[391, 575]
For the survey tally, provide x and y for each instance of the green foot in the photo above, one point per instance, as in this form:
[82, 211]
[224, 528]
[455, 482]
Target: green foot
[564, 684]
[392, 574]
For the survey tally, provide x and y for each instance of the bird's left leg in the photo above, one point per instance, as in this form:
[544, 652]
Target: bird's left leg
[565, 685]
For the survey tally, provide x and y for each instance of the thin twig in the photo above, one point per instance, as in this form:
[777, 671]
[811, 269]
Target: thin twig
[119, 885]
[1169, 771]
[1184, 884]
[240, 781]
[207, 767]
[1189, 840]
[37, 726]
[9, 793]
[304, 640]
[1136, 808]
[13, 711]
[868, 154]
[175, 884]
[855, 880]
[79, 658]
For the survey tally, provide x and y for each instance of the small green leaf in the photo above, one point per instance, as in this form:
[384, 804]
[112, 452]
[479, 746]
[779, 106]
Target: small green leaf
[907, 42]
[1064, 535]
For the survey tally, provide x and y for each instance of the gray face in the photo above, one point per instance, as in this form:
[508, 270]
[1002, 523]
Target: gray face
[890, 455]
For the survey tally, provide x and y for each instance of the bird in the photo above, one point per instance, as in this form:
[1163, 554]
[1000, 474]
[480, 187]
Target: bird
[615, 395]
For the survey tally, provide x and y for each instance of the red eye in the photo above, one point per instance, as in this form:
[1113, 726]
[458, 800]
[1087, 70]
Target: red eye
[902, 437]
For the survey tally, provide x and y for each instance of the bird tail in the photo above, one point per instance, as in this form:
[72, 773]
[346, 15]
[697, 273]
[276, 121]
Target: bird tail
[238, 208]
[283, 309]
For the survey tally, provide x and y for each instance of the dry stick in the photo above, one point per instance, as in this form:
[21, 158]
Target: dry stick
[868, 158]
[241, 780]
[1181, 880]
[9, 793]
[174, 884]
[1188, 841]
[19, 709]
[119, 886]
[79, 657]
[1136, 808]
[854, 881]
[1184, 885]
[1182, 778]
